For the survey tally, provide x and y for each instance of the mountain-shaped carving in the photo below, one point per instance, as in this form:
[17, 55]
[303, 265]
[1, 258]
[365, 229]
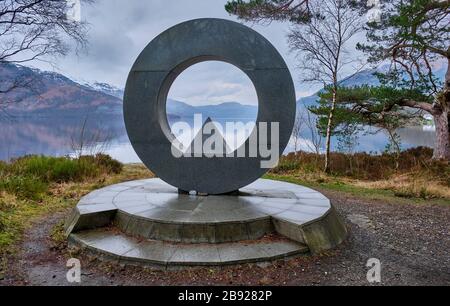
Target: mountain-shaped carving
[208, 141]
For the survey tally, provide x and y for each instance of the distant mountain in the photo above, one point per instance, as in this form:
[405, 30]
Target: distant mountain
[53, 94]
[49, 93]
[365, 77]
[221, 111]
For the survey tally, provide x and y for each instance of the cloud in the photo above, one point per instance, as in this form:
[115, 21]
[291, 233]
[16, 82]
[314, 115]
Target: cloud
[213, 82]
[120, 29]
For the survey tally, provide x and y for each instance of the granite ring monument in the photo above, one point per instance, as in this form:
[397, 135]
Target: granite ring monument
[234, 217]
[170, 54]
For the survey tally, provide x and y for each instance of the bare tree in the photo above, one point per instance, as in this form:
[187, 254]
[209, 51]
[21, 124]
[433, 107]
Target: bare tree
[33, 29]
[347, 143]
[297, 130]
[316, 138]
[36, 30]
[90, 141]
[322, 49]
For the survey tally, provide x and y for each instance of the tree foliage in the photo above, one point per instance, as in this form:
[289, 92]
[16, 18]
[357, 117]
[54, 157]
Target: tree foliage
[414, 37]
[295, 11]
[412, 34]
[377, 106]
[345, 122]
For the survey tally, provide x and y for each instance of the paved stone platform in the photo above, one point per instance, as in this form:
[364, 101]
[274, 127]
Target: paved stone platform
[129, 250]
[154, 211]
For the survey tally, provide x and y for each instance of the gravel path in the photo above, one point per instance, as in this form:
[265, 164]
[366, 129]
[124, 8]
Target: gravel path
[411, 241]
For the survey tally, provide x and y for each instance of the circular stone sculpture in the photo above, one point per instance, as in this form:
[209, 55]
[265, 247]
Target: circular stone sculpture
[149, 222]
[154, 72]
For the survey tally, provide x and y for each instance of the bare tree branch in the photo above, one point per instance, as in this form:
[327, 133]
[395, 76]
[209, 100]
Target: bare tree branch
[35, 30]
[32, 29]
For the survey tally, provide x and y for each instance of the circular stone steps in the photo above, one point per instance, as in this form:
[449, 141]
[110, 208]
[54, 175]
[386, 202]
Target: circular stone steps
[189, 232]
[128, 250]
[180, 229]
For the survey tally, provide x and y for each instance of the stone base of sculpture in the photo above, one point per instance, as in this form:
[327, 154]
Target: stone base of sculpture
[150, 223]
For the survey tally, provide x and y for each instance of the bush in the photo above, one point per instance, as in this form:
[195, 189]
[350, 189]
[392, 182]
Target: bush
[287, 165]
[51, 169]
[108, 163]
[67, 170]
[64, 169]
[3, 166]
[24, 187]
[29, 177]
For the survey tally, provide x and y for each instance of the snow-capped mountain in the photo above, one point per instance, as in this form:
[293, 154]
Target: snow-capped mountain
[107, 89]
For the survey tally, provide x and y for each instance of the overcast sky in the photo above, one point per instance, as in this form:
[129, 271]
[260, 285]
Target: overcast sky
[120, 29]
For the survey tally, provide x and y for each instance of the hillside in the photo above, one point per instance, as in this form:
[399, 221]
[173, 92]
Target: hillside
[48, 93]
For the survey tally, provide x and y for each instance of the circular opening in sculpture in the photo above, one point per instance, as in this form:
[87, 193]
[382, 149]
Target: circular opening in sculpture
[214, 92]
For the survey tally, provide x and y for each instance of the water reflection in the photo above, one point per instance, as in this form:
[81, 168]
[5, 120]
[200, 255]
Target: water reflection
[61, 136]
[57, 136]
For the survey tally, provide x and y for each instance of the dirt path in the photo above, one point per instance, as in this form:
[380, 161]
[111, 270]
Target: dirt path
[411, 241]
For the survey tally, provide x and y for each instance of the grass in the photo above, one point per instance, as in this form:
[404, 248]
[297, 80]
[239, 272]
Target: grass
[35, 186]
[24, 187]
[384, 195]
[415, 177]
[30, 177]
[62, 169]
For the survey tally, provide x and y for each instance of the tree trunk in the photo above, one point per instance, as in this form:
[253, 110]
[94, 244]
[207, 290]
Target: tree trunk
[329, 131]
[442, 146]
[441, 120]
